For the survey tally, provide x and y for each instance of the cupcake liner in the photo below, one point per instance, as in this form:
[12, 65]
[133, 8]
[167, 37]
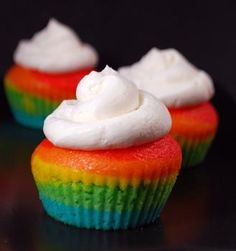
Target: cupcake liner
[194, 151]
[104, 207]
[105, 190]
[28, 109]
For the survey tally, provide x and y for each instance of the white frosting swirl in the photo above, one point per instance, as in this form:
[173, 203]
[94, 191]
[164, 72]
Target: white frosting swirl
[56, 48]
[170, 77]
[110, 112]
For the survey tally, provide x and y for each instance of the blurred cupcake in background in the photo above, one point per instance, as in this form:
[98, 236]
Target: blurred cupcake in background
[46, 71]
[186, 91]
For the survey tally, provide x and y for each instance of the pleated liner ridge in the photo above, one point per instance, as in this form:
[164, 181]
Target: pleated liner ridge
[103, 207]
[194, 150]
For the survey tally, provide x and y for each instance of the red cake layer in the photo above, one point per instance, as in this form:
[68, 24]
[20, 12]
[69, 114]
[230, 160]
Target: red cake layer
[194, 121]
[42, 84]
[116, 162]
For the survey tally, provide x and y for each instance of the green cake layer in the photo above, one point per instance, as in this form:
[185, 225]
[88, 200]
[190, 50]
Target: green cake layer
[112, 198]
[28, 109]
[194, 151]
[29, 103]
[104, 207]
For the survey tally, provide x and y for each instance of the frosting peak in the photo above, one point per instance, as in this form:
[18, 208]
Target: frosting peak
[109, 112]
[56, 48]
[170, 77]
[97, 98]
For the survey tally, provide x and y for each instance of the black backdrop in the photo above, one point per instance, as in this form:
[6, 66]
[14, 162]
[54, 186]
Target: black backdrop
[122, 31]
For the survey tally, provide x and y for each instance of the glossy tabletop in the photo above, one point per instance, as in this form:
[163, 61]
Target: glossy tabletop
[200, 213]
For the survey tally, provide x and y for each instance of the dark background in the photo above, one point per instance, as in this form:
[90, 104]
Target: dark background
[122, 31]
[200, 214]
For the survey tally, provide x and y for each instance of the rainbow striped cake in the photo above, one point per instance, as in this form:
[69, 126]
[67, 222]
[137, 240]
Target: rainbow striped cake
[33, 95]
[194, 128]
[106, 189]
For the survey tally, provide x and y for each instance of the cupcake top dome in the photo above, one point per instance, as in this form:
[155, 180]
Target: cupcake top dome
[170, 77]
[109, 112]
[56, 48]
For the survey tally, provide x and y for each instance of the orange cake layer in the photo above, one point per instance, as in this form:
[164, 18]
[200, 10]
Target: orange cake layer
[45, 84]
[145, 161]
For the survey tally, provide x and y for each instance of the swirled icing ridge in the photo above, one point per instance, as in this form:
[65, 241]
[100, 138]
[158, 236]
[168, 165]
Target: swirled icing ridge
[56, 48]
[170, 77]
[110, 112]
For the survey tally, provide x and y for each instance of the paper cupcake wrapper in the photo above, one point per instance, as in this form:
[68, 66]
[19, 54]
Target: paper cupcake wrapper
[28, 109]
[105, 207]
[194, 151]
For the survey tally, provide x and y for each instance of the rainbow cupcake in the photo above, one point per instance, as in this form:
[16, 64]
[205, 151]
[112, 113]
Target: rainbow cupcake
[46, 71]
[186, 92]
[109, 166]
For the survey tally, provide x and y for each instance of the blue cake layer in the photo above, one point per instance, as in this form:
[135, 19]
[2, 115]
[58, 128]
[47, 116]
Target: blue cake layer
[92, 218]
